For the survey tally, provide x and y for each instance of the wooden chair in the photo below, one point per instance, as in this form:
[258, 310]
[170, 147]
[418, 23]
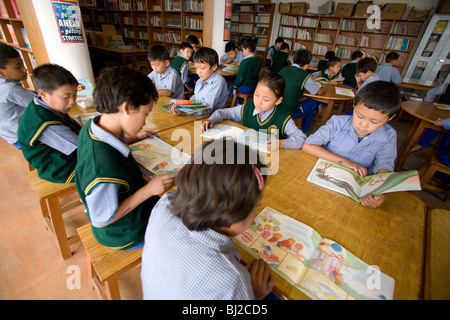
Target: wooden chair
[430, 167]
[298, 122]
[437, 256]
[49, 195]
[106, 265]
[245, 96]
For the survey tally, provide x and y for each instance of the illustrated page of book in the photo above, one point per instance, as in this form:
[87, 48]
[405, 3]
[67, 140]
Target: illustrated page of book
[185, 108]
[255, 139]
[221, 130]
[344, 91]
[390, 182]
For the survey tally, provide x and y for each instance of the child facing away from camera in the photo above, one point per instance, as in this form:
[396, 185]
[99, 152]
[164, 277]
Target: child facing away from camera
[332, 72]
[181, 64]
[199, 260]
[363, 142]
[110, 183]
[211, 88]
[232, 54]
[365, 72]
[349, 70]
[48, 136]
[272, 49]
[264, 113]
[166, 79]
[323, 64]
[387, 71]
[13, 97]
[281, 58]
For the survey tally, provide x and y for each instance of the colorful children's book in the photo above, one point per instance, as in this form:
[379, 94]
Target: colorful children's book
[345, 91]
[347, 182]
[185, 102]
[254, 139]
[186, 108]
[231, 68]
[319, 267]
[83, 117]
[158, 157]
[442, 106]
[85, 94]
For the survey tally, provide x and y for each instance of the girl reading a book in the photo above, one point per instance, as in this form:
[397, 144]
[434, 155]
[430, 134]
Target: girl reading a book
[264, 113]
[188, 253]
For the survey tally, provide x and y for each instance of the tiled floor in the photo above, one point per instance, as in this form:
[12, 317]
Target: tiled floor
[30, 264]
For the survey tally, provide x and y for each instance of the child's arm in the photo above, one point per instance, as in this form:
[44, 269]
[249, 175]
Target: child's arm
[165, 92]
[374, 201]
[262, 278]
[295, 139]
[233, 114]
[140, 136]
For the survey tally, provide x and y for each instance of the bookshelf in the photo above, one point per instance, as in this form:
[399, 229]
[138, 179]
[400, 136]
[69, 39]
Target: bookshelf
[343, 35]
[143, 23]
[13, 33]
[253, 20]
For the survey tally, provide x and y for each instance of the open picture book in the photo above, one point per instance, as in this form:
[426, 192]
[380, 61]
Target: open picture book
[158, 157]
[186, 108]
[324, 80]
[319, 267]
[85, 93]
[347, 182]
[344, 91]
[254, 139]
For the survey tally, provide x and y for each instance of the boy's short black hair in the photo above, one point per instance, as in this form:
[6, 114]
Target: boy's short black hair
[333, 61]
[49, 77]
[249, 43]
[366, 64]
[380, 95]
[158, 52]
[230, 46]
[279, 40]
[284, 46]
[6, 53]
[206, 55]
[185, 45]
[117, 85]
[192, 40]
[392, 57]
[302, 57]
[329, 55]
[357, 54]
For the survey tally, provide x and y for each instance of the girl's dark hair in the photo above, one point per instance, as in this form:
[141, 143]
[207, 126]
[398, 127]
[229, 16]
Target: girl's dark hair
[218, 187]
[158, 52]
[302, 57]
[50, 77]
[117, 85]
[380, 95]
[206, 55]
[6, 53]
[366, 64]
[275, 82]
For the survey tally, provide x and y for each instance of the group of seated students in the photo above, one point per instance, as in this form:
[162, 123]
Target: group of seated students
[212, 202]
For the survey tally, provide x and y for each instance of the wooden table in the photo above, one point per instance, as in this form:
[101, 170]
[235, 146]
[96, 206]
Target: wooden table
[414, 84]
[391, 237]
[426, 113]
[329, 96]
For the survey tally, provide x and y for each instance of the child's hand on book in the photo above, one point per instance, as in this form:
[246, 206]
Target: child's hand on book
[372, 201]
[207, 125]
[274, 144]
[356, 167]
[261, 277]
[173, 110]
[160, 184]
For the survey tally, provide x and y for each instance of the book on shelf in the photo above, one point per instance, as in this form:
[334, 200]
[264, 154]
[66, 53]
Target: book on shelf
[319, 49]
[395, 43]
[3, 11]
[245, 28]
[321, 37]
[193, 23]
[347, 182]
[262, 18]
[287, 32]
[343, 53]
[140, 5]
[15, 9]
[348, 25]
[346, 40]
[12, 33]
[245, 17]
[307, 22]
[289, 20]
[317, 266]
[32, 60]
[261, 42]
[402, 28]
[112, 4]
[174, 22]
[193, 5]
[25, 38]
[188, 109]
[260, 29]
[241, 8]
[329, 24]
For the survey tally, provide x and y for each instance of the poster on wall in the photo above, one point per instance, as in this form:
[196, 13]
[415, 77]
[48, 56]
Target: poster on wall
[227, 23]
[68, 19]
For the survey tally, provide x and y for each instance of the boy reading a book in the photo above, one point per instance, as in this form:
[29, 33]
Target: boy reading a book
[365, 72]
[232, 54]
[48, 136]
[281, 58]
[181, 64]
[166, 79]
[387, 72]
[211, 88]
[323, 64]
[349, 70]
[198, 260]
[332, 72]
[363, 142]
[272, 49]
[13, 97]
[109, 181]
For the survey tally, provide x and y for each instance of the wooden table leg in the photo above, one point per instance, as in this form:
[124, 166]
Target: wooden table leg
[59, 229]
[411, 140]
[112, 289]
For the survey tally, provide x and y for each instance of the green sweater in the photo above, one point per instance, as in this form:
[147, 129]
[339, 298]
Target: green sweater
[279, 61]
[248, 74]
[348, 72]
[178, 63]
[323, 64]
[295, 85]
[445, 96]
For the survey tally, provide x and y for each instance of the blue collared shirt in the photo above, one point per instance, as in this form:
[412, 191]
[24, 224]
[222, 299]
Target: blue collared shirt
[212, 92]
[239, 57]
[295, 139]
[13, 101]
[389, 73]
[310, 84]
[179, 264]
[317, 73]
[170, 80]
[433, 93]
[376, 151]
[372, 78]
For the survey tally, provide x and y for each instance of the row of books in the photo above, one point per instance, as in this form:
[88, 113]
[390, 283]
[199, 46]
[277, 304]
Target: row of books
[304, 35]
[261, 42]
[329, 24]
[126, 6]
[174, 22]
[402, 28]
[364, 41]
[287, 32]
[193, 5]
[246, 17]
[155, 20]
[241, 8]
[298, 46]
[348, 25]
[142, 45]
[170, 5]
[127, 32]
[323, 37]
[141, 21]
[343, 53]
[289, 20]
[169, 36]
[319, 49]
[245, 28]
[261, 29]
[262, 18]
[395, 43]
[193, 23]
[143, 35]
[4, 12]
[14, 37]
[346, 40]
[307, 22]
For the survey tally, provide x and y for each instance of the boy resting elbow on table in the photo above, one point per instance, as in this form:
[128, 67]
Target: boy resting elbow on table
[363, 142]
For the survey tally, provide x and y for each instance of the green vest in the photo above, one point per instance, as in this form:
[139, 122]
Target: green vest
[276, 121]
[279, 61]
[295, 85]
[99, 163]
[323, 64]
[178, 63]
[323, 74]
[248, 74]
[268, 62]
[50, 164]
[348, 72]
[445, 96]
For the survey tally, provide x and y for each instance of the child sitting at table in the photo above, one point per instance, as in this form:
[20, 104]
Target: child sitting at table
[181, 64]
[248, 74]
[166, 79]
[365, 72]
[363, 142]
[188, 252]
[264, 113]
[323, 64]
[281, 58]
[48, 136]
[211, 88]
[332, 72]
[349, 70]
[387, 72]
[272, 49]
[195, 43]
[109, 181]
[232, 54]
[13, 98]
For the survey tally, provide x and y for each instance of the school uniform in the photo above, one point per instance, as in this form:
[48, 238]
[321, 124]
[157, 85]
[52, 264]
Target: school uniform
[273, 119]
[238, 59]
[270, 52]
[13, 100]
[179, 264]
[247, 77]
[181, 66]
[375, 151]
[48, 140]
[326, 74]
[372, 78]
[169, 80]
[106, 174]
[280, 59]
[443, 91]
[212, 92]
[322, 65]
[389, 73]
[348, 72]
